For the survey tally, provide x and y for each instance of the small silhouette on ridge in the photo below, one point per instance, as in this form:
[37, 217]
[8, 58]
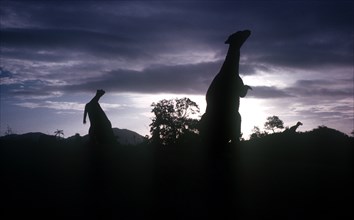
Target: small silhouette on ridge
[292, 129]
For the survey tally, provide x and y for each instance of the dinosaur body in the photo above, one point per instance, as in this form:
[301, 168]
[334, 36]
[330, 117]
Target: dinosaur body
[292, 129]
[100, 127]
[222, 122]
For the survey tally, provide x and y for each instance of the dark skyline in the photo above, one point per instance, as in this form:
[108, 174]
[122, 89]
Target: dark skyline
[55, 54]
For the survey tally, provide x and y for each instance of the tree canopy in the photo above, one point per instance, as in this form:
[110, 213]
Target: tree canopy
[172, 120]
[273, 122]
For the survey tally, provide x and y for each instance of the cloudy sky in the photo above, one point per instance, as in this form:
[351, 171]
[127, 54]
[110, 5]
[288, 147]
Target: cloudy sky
[56, 54]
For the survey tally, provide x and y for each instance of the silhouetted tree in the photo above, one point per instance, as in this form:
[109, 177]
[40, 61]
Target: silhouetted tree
[8, 130]
[172, 120]
[273, 122]
[59, 133]
[257, 133]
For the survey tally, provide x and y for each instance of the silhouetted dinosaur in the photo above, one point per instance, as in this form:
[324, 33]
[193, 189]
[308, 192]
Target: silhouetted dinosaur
[292, 129]
[221, 122]
[100, 131]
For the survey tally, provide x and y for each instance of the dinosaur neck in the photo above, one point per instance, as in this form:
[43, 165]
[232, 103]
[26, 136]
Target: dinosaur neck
[96, 98]
[231, 63]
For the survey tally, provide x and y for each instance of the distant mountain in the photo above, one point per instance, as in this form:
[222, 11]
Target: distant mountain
[124, 137]
[31, 137]
[127, 137]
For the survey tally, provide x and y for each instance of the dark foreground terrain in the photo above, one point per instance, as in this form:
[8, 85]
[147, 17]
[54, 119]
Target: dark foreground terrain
[280, 176]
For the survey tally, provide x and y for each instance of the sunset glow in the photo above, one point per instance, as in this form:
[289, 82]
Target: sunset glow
[55, 56]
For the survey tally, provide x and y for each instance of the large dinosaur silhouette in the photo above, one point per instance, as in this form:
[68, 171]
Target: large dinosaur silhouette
[100, 131]
[221, 122]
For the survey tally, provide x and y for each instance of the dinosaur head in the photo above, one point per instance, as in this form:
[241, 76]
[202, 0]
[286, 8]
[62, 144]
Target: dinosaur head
[238, 38]
[100, 92]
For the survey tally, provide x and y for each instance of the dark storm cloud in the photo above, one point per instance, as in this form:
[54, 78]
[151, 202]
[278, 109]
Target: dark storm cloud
[100, 44]
[325, 89]
[310, 35]
[331, 113]
[267, 92]
[187, 79]
[339, 88]
[282, 37]
[54, 52]
[4, 73]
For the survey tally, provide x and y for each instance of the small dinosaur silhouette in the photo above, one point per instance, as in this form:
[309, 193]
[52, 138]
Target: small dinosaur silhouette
[100, 131]
[292, 129]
